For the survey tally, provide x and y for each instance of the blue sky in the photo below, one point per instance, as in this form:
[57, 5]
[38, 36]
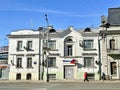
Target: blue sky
[30, 14]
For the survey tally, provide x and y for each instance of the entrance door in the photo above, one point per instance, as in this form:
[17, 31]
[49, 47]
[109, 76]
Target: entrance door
[113, 68]
[68, 72]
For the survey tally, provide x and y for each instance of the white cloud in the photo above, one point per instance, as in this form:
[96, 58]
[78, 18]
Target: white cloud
[61, 12]
[87, 15]
[72, 14]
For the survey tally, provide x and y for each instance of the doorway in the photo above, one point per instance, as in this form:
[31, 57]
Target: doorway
[69, 72]
[113, 68]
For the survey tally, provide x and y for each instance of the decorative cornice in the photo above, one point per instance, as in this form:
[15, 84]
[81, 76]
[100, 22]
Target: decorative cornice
[71, 56]
[93, 54]
[110, 32]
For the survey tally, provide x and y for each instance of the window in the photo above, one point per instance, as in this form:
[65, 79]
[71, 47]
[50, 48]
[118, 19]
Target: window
[112, 44]
[18, 76]
[52, 62]
[88, 61]
[113, 68]
[88, 44]
[29, 45]
[69, 50]
[68, 46]
[19, 45]
[52, 76]
[28, 77]
[91, 76]
[29, 62]
[19, 63]
[52, 44]
[69, 40]
[87, 30]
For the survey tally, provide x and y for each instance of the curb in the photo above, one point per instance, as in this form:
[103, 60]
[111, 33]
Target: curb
[58, 81]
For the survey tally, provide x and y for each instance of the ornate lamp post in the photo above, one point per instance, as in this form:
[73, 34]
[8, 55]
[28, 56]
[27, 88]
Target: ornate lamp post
[46, 38]
[49, 30]
[46, 53]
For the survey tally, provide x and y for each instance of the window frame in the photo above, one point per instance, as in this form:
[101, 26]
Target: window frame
[19, 63]
[29, 45]
[18, 76]
[112, 44]
[19, 45]
[29, 62]
[69, 50]
[51, 61]
[52, 44]
[89, 44]
[88, 61]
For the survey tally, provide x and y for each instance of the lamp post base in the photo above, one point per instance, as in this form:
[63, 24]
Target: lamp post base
[47, 78]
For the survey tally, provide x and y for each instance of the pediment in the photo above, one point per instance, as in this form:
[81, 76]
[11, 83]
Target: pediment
[67, 32]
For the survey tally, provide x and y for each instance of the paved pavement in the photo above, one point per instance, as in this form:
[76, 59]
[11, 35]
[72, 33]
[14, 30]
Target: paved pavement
[60, 85]
[91, 81]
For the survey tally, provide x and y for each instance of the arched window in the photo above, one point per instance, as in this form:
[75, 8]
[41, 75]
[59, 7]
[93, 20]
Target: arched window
[28, 77]
[69, 40]
[112, 44]
[18, 76]
[87, 30]
[68, 46]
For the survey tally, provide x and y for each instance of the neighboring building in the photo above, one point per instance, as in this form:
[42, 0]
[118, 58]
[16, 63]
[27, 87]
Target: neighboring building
[23, 55]
[111, 44]
[4, 67]
[71, 53]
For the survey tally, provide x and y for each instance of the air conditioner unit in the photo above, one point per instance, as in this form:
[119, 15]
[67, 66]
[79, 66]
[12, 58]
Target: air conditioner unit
[81, 43]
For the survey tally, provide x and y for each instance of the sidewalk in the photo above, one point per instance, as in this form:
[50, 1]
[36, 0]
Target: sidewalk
[90, 81]
[60, 81]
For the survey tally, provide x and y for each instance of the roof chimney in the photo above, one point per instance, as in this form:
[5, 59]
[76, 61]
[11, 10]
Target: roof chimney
[49, 27]
[70, 28]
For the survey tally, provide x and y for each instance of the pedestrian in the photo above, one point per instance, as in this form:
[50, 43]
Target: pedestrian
[103, 76]
[85, 77]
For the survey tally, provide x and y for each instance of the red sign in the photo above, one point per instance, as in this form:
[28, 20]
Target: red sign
[3, 66]
[73, 61]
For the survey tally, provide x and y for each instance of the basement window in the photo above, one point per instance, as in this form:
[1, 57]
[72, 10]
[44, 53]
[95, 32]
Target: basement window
[52, 76]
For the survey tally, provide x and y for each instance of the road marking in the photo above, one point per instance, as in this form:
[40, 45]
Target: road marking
[40, 89]
[33, 87]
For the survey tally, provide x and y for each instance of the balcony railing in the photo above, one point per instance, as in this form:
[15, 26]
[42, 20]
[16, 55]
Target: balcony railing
[3, 62]
[113, 51]
[3, 49]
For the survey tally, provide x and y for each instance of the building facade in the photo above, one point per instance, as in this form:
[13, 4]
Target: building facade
[4, 67]
[111, 44]
[69, 54]
[39, 54]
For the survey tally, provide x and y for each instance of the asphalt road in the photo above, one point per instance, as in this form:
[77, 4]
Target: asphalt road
[58, 86]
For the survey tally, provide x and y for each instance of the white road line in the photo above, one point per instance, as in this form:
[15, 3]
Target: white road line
[44, 87]
[40, 89]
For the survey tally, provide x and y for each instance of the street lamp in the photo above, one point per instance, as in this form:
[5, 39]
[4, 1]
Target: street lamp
[49, 30]
[47, 54]
[103, 34]
[39, 63]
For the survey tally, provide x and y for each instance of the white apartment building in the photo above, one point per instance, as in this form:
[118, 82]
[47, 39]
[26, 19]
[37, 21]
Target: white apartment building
[70, 54]
[111, 44]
